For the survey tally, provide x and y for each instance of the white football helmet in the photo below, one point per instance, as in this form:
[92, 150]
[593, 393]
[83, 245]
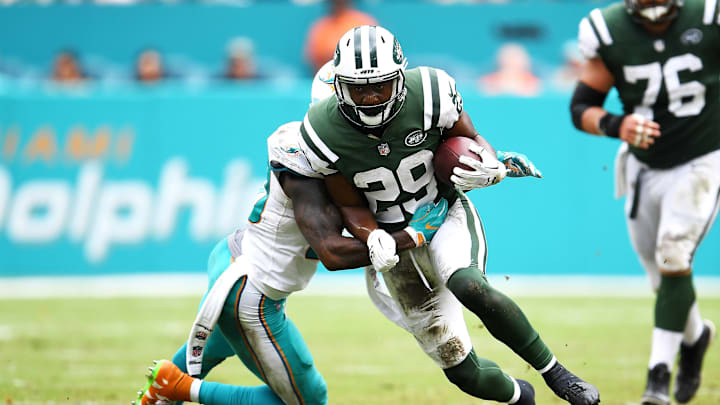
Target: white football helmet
[653, 12]
[369, 54]
[323, 85]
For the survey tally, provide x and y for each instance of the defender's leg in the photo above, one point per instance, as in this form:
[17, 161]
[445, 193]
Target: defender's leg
[270, 345]
[168, 381]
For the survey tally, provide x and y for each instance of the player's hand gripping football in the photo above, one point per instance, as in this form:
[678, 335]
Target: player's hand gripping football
[426, 221]
[383, 251]
[518, 165]
[639, 131]
[487, 170]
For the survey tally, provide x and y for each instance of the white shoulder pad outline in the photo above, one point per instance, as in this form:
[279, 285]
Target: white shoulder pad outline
[593, 31]
[284, 149]
[588, 42]
[444, 111]
[601, 26]
[320, 164]
[711, 12]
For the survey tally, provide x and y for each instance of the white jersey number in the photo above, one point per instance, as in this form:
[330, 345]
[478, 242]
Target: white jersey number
[685, 99]
[393, 183]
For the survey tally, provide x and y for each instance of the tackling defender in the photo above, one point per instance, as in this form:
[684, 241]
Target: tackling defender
[252, 272]
[307, 196]
[378, 137]
[663, 58]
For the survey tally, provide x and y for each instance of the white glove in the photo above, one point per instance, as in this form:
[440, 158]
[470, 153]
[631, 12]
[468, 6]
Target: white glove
[485, 173]
[383, 251]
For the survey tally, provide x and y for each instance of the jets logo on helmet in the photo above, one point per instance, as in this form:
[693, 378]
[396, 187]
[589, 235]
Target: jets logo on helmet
[369, 55]
[653, 11]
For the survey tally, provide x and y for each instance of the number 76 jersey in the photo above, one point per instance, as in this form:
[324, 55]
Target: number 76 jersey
[672, 78]
[394, 170]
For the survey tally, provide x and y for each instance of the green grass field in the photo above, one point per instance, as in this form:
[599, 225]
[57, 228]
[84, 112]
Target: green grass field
[95, 351]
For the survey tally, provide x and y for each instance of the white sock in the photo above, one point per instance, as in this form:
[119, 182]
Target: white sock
[516, 394]
[548, 366]
[195, 390]
[694, 325]
[665, 346]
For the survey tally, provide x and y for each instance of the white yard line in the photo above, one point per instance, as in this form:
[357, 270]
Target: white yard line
[194, 284]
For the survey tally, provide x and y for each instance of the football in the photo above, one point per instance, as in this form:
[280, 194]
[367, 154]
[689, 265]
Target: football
[447, 157]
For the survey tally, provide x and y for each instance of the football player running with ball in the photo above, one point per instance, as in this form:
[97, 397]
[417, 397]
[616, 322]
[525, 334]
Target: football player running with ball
[252, 272]
[374, 142]
[663, 57]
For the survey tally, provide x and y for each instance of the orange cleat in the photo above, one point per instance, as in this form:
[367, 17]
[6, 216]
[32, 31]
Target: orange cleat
[166, 384]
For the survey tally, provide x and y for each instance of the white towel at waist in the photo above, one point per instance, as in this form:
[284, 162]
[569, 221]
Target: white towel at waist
[620, 168]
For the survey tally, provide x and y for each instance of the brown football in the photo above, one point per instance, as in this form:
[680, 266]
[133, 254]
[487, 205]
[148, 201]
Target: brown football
[447, 157]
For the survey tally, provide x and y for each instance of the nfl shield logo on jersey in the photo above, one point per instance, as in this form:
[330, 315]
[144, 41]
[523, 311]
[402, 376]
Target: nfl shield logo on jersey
[659, 45]
[384, 149]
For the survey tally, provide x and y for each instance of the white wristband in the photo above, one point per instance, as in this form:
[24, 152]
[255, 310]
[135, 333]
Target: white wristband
[416, 236]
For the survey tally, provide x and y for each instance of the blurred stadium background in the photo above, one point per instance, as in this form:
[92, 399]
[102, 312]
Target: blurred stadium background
[113, 186]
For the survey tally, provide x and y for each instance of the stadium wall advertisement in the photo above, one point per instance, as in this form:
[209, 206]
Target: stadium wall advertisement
[147, 180]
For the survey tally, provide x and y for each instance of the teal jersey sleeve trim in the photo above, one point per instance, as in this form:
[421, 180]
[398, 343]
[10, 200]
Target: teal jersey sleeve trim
[259, 207]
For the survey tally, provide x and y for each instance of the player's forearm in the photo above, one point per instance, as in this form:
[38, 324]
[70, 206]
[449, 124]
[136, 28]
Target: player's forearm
[359, 221]
[586, 104]
[341, 253]
[591, 119]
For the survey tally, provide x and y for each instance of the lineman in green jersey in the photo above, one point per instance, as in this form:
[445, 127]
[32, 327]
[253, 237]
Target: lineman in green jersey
[663, 57]
[374, 141]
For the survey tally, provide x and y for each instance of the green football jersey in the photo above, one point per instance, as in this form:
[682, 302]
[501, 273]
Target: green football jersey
[395, 170]
[672, 78]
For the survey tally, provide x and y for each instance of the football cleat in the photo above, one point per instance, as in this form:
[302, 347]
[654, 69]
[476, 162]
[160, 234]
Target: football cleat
[690, 363]
[527, 393]
[658, 386]
[570, 387]
[166, 383]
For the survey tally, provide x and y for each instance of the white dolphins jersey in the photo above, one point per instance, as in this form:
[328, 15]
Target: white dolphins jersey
[280, 257]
